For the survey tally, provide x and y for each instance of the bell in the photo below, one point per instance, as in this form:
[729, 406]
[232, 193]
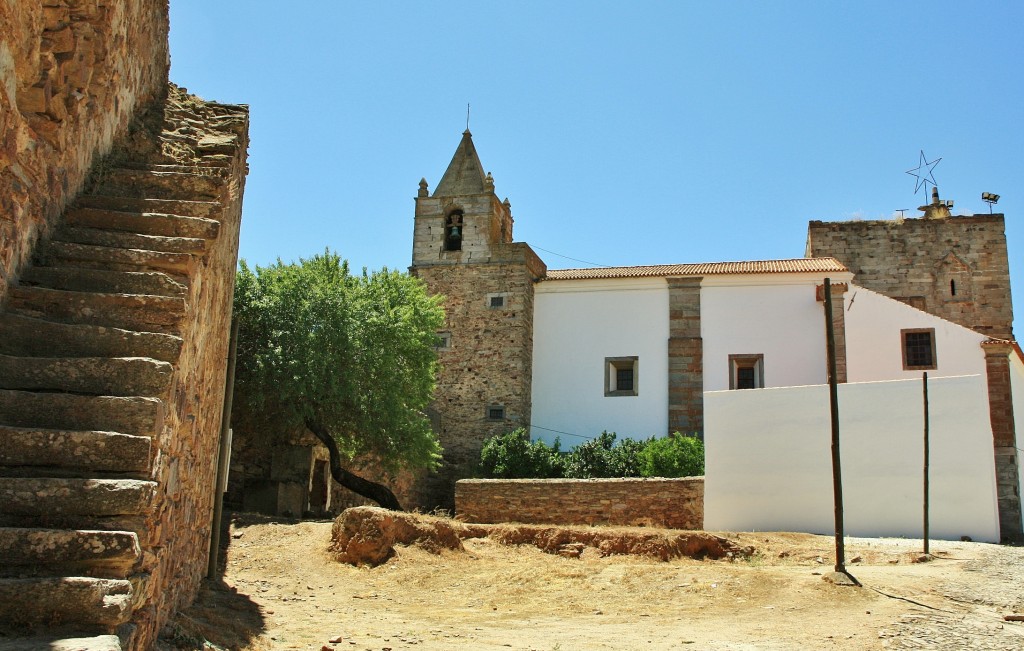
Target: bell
[456, 232]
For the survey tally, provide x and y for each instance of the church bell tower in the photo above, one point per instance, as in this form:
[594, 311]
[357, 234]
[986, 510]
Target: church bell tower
[463, 249]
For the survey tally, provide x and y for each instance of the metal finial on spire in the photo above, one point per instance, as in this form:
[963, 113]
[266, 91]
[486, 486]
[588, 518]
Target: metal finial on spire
[467, 116]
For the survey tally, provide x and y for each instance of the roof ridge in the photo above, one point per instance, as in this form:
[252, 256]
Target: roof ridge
[776, 265]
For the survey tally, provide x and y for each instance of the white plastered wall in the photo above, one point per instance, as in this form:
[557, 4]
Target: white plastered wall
[768, 459]
[577, 324]
[772, 315]
[874, 345]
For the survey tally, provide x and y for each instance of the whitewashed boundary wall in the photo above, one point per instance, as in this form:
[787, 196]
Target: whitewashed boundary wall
[769, 465]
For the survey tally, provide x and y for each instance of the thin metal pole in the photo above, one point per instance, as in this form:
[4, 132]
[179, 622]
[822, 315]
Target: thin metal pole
[833, 394]
[927, 450]
[222, 457]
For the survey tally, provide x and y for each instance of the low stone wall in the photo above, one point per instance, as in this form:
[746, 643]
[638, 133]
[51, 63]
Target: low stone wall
[669, 503]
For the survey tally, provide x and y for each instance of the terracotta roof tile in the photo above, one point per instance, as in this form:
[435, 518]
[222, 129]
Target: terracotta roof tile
[796, 265]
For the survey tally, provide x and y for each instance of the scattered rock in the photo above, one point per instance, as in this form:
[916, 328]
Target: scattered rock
[367, 535]
[571, 550]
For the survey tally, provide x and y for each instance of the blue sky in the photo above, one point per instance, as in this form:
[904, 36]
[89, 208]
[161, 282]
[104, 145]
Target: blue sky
[622, 133]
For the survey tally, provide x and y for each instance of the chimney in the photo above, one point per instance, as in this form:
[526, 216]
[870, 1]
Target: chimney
[937, 209]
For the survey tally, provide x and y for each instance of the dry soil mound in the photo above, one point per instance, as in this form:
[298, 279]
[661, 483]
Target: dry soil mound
[367, 535]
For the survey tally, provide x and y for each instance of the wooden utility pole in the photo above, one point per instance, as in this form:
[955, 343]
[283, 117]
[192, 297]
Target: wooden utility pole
[833, 394]
[225, 451]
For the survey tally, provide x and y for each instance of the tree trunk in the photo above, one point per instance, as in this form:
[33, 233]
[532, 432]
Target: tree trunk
[371, 490]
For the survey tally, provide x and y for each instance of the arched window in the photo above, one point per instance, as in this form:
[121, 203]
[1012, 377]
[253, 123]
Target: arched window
[453, 231]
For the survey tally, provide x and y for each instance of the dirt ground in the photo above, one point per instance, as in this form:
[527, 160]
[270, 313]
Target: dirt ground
[281, 590]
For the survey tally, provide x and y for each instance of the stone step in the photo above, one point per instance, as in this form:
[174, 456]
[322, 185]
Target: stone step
[137, 416]
[185, 208]
[57, 496]
[147, 223]
[58, 642]
[140, 525]
[137, 312]
[100, 603]
[40, 448]
[90, 256]
[57, 552]
[124, 240]
[103, 281]
[29, 337]
[215, 167]
[156, 184]
[100, 376]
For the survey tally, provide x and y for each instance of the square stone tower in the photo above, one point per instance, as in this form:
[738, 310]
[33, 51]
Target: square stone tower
[463, 249]
[956, 268]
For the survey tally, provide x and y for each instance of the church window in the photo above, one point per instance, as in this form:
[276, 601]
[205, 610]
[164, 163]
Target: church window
[918, 349]
[952, 288]
[621, 376]
[497, 301]
[453, 227]
[746, 371]
[444, 341]
[495, 412]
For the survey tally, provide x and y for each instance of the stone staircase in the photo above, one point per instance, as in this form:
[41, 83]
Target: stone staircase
[89, 342]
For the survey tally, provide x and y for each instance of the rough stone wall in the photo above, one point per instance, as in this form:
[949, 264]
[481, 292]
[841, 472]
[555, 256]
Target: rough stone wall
[685, 357]
[838, 291]
[669, 503]
[487, 223]
[1004, 438]
[176, 538]
[72, 72]
[489, 362]
[922, 262]
[278, 475]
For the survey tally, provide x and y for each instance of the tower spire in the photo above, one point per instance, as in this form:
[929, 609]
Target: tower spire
[465, 174]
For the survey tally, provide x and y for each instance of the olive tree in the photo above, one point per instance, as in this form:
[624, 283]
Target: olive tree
[349, 357]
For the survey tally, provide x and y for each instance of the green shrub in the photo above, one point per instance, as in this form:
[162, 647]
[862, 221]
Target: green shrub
[673, 456]
[604, 457]
[591, 459]
[514, 456]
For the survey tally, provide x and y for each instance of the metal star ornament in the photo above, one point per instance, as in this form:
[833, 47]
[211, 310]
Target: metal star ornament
[923, 173]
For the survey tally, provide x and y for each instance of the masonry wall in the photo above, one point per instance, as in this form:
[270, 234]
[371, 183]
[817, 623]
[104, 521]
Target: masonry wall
[73, 72]
[669, 503]
[955, 268]
[176, 537]
[686, 357]
[1017, 397]
[488, 363]
[768, 459]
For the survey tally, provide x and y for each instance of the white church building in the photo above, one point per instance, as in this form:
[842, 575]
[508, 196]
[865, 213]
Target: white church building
[735, 352]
